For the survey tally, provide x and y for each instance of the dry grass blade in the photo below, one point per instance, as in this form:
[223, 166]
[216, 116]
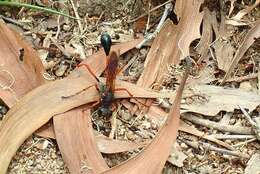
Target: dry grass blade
[36, 108]
[20, 68]
[248, 41]
[148, 161]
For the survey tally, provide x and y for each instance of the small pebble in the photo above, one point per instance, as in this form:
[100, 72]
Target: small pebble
[183, 145]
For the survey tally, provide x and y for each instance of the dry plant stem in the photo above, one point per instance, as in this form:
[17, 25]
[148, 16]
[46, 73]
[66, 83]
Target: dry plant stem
[207, 146]
[58, 28]
[150, 36]
[255, 126]
[153, 9]
[244, 142]
[15, 22]
[113, 124]
[217, 126]
[77, 16]
[243, 78]
[222, 136]
[258, 78]
[149, 15]
[60, 47]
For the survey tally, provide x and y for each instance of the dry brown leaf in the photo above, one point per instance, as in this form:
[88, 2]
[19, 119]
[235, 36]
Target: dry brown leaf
[110, 146]
[165, 138]
[206, 37]
[210, 100]
[245, 11]
[224, 54]
[82, 156]
[253, 164]
[35, 109]
[159, 55]
[166, 46]
[237, 19]
[177, 157]
[21, 69]
[105, 144]
[189, 24]
[205, 76]
[248, 41]
[21, 121]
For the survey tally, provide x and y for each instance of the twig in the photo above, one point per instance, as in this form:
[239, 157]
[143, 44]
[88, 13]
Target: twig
[150, 36]
[58, 28]
[244, 142]
[258, 78]
[149, 15]
[217, 126]
[77, 17]
[207, 146]
[15, 22]
[64, 52]
[255, 126]
[114, 123]
[222, 136]
[243, 78]
[153, 9]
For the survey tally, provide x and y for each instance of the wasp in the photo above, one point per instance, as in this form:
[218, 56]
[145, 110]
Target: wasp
[107, 89]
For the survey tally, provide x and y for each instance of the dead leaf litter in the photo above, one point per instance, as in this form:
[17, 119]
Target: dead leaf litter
[219, 109]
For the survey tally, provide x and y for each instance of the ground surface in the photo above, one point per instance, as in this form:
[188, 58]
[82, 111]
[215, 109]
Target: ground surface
[41, 155]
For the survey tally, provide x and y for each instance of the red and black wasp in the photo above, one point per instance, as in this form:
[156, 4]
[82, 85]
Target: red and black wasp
[107, 89]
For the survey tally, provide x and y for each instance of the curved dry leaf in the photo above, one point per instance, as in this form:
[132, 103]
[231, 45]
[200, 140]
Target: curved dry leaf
[20, 67]
[248, 41]
[105, 144]
[160, 55]
[189, 24]
[207, 33]
[39, 105]
[148, 161]
[83, 155]
[35, 109]
[165, 49]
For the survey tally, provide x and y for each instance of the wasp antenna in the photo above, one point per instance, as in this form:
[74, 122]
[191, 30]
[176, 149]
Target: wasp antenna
[106, 42]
